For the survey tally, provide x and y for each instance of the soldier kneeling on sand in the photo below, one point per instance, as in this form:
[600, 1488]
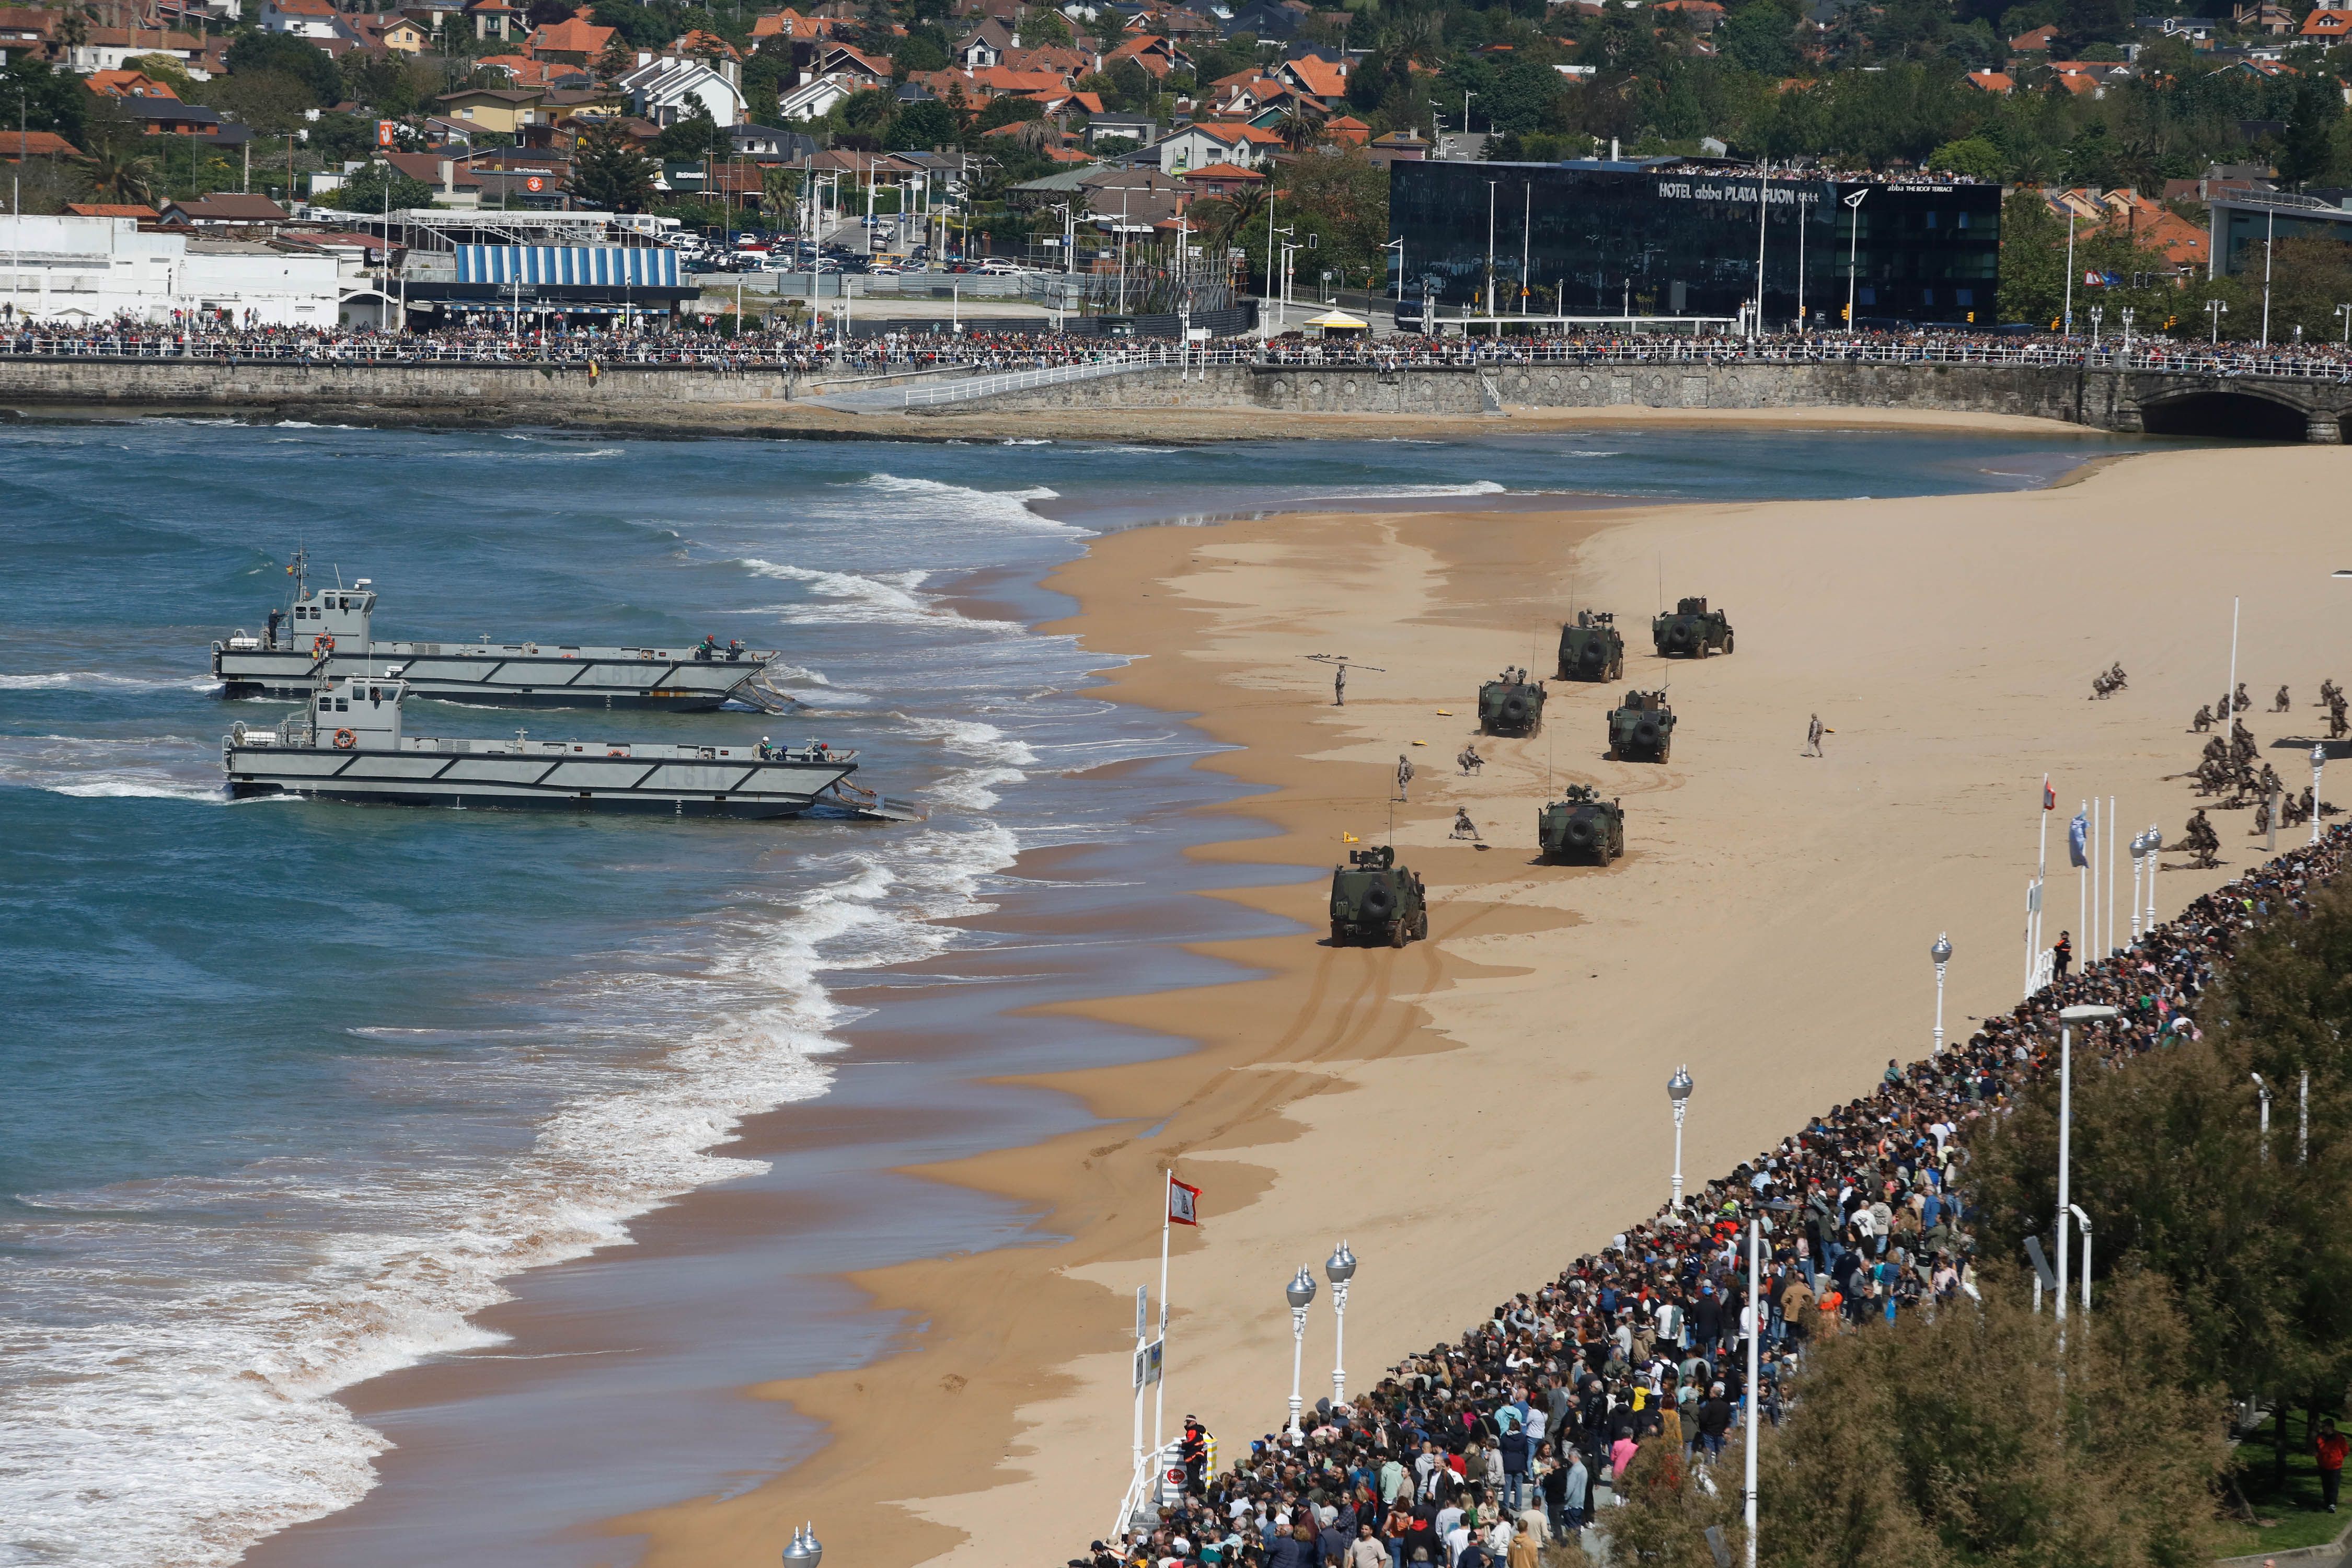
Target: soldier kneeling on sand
[1470, 760]
[2201, 843]
[2204, 719]
[2280, 704]
[1463, 827]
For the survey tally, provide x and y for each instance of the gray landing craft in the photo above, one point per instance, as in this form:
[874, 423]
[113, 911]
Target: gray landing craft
[347, 745]
[327, 636]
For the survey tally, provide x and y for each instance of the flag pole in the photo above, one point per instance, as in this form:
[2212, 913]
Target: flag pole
[2083, 895]
[1160, 1389]
[2110, 873]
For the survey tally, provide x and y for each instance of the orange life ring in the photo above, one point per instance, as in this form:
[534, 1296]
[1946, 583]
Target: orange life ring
[616, 753]
[322, 644]
[345, 740]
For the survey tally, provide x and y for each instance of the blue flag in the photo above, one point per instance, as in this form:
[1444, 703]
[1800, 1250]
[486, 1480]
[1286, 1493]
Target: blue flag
[2077, 832]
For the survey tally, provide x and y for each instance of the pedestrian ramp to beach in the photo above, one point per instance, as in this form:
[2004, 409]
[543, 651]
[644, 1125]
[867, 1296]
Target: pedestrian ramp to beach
[942, 394]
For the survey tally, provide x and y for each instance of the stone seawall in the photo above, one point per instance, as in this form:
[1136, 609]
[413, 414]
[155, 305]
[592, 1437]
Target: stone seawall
[685, 397]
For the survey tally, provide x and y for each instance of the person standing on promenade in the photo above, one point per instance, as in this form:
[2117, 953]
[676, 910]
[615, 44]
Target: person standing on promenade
[1576, 1484]
[2329, 1447]
[1366, 1551]
[2062, 957]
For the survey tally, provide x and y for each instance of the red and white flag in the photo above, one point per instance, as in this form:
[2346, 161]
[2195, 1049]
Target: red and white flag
[1184, 1202]
[2048, 795]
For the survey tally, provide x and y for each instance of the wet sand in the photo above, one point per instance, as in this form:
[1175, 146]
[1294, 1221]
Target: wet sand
[1471, 1112]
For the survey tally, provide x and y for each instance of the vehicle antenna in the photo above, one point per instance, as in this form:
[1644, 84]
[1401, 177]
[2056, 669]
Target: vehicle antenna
[339, 573]
[1662, 582]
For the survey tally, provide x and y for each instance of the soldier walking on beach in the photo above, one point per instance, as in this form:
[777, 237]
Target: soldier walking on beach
[1404, 776]
[1814, 737]
[1339, 687]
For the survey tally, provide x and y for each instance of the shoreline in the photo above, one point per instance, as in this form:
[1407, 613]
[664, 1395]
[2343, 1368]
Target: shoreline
[1052, 1372]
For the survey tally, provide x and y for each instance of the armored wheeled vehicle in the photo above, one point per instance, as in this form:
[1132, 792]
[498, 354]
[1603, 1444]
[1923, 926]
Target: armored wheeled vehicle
[1693, 631]
[1580, 826]
[1374, 900]
[1642, 729]
[1511, 704]
[1591, 649]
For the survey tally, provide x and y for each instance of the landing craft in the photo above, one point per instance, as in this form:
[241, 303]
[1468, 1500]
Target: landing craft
[326, 634]
[347, 743]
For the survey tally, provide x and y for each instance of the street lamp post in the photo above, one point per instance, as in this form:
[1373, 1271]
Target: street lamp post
[2082, 1221]
[2126, 313]
[1339, 1267]
[1853, 238]
[2263, 1148]
[2346, 312]
[1300, 1293]
[1942, 953]
[2067, 1018]
[805, 1551]
[2139, 855]
[2319, 764]
[1678, 1090]
[2098, 313]
[2215, 310]
[2155, 843]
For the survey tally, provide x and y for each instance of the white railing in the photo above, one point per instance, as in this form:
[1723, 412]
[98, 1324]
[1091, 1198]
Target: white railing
[1023, 381]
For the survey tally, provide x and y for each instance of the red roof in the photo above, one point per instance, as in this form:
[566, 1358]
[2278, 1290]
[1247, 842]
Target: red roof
[1222, 171]
[573, 36]
[111, 209]
[14, 145]
[1993, 81]
[2327, 23]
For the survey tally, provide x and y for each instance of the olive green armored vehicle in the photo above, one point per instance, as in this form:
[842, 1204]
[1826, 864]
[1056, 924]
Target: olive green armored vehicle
[1693, 631]
[1511, 704]
[1580, 826]
[1591, 649]
[1374, 900]
[1642, 729]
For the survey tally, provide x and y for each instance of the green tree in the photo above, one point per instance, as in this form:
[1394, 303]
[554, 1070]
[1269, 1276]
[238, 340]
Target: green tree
[691, 138]
[271, 101]
[119, 170]
[1758, 36]
[610, 174]
[1973, 155]
[283, 54]
[2310, 153]
[2033, 260]
[922, 126]
[48, 100]
[379, 187]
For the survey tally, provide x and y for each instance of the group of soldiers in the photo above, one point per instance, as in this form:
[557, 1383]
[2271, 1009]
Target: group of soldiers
[2228, 768]
[2107, 685]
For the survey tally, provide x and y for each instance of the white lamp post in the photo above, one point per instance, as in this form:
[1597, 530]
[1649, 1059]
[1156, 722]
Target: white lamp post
[2319, 764]
[2067, 1018]
[1300, 1293]
[2155, 843]
[804, 1549]
[1678, 1090]
[1339, 1267]
[2264, 1090]
[2083, 1221]
[1942, 953]
[2140, 856]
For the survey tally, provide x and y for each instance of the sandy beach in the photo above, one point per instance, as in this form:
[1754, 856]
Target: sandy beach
[1471, 1112]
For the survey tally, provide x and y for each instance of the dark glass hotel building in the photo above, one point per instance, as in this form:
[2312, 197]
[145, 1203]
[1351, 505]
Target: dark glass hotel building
[1677, 237]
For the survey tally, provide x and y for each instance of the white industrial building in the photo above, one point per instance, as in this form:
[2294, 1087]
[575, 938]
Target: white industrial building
[85, 270]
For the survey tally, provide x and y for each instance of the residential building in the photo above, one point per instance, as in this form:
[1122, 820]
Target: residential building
[985, 45]
[667, 89]
[2036, 41]
[1222, 180]
[15, 146]
[25, 31]
[2327, 26]
[302, 18]
[494, 18]
[1999, 82]
[767, 144]
[1136, 128]
[223, 208]
[1396, 147]
[503, 109]
[1198, 146]
[576, 41]
[114, 209]
[109, 48]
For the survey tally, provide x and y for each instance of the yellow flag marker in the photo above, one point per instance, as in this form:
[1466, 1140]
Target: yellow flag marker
[1445, 712]
[1346, 837]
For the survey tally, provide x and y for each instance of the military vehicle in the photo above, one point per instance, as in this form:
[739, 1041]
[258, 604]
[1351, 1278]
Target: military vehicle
[1693, 631]
[1580, 826]
[1511, 704]
[1373, 899]
[1642, 729]
[1593, 648]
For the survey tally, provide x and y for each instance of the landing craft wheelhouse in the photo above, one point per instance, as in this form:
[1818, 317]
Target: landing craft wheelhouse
[348, 744]
[328, 634]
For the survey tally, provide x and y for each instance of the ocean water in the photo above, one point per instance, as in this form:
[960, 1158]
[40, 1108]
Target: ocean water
[292, 1093]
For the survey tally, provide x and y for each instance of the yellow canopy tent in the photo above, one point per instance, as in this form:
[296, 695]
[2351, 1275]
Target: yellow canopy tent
[1337, 324]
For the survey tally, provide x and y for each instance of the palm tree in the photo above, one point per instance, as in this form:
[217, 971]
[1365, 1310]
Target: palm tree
[119, 174]
[1301, 128]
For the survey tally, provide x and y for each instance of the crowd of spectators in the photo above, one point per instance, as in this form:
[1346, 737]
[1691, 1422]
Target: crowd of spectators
[1482, 1449]
[779, 347]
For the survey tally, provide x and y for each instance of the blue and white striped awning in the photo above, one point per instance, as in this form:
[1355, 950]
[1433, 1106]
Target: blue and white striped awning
[585, 266]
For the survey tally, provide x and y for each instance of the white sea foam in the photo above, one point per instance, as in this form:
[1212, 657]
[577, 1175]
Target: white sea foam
[192, 1413]
[1002, 760]
[98, 680]
[961, 503]
[884, 598]
[167, 767]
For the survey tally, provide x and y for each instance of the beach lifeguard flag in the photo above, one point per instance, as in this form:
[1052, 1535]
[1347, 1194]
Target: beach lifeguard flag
[1184, 1202]
[2048, 795]
[2078, 833]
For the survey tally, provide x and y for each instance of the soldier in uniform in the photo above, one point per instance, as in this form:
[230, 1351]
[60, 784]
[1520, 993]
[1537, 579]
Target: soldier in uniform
[2280, 704]
[1404, 776]
[2242, 701]
[2200, 842]
[2204, 719]
[1814, 737]
[1339, 687]
[1470, 760]
[1463, 827]
[2337, 727]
